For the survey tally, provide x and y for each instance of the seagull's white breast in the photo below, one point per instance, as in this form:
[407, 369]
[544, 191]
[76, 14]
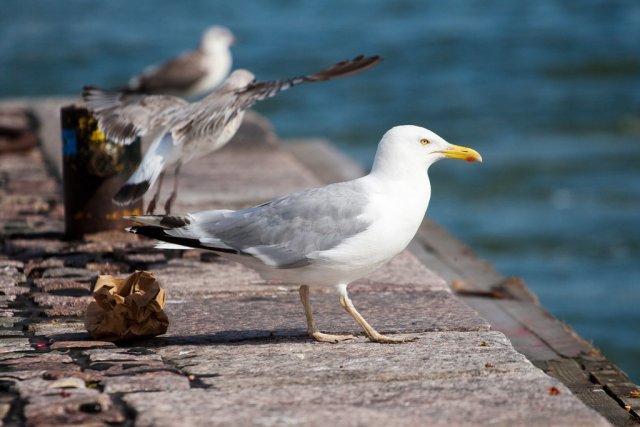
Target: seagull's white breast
[395, 212]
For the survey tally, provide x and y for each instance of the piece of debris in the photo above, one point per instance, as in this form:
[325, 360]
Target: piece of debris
[553, 391]
[127, 308]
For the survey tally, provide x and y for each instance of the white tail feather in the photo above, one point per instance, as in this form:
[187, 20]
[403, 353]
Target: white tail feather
[165, 245]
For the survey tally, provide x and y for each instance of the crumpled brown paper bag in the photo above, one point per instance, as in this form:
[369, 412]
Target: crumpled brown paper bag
[127, 308]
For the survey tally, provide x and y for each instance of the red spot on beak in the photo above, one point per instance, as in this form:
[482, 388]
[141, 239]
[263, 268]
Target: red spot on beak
[470, 159]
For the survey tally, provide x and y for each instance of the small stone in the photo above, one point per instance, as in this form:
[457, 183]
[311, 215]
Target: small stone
[91, 407]
[68, 382]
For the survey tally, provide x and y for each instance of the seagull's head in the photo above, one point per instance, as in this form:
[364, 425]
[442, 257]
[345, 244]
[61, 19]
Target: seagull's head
[239, 78]
[403, 146]
[217, 37]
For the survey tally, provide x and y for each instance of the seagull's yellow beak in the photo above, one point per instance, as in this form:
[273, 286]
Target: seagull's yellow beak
[462, 153]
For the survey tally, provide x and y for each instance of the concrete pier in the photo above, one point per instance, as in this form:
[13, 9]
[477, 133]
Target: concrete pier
[237, 352]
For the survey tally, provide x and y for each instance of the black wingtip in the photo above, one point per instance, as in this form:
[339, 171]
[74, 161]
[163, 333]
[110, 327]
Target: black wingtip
[346, 68]
[129, 193]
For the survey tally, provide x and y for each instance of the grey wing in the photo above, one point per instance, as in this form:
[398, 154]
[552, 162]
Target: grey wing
[259, 91]
[283, 233]
[207, 117]
[176, 75]
[123, 116]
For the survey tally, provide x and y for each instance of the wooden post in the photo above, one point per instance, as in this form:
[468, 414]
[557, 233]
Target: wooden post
[93, 169]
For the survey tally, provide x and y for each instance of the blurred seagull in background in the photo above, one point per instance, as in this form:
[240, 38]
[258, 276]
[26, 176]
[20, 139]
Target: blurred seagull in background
[193, 73]
[180, 131]
[327, 236]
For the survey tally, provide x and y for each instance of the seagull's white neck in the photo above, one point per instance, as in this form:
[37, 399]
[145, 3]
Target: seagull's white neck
[215, 47]
[400, 176]
[391, 164]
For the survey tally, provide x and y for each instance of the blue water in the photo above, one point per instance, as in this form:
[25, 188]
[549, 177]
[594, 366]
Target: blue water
[548, 91]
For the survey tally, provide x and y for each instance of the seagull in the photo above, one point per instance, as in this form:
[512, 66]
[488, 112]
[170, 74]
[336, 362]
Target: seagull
[327, 236]
[193, 73]
[180, 131]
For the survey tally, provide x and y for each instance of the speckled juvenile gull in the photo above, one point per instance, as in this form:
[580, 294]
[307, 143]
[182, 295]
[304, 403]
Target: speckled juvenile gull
[182, 131]
[327, 236]
[193, 73]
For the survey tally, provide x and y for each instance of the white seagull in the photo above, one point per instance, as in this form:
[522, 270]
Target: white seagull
[180, 131]
[327, 236]
[193, 73]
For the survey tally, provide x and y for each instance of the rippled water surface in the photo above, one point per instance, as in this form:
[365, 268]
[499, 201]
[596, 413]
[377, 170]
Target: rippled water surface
[548, 92]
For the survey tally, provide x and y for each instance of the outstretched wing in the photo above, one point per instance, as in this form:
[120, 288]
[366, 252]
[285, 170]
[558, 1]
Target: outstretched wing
[224, 105]
[258, 91]
[123, 116]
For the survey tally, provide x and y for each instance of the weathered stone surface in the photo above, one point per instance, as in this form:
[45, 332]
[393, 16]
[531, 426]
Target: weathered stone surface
[34, 248]
[181, 277]
[5, 333]
[14, 344]
[155, 381]
[40, 359]
[224, 318]
[5, 300]
[279, 362]
[57, 328]
[100, 370]
[34, 268]
[56, 305]
[108, 267]
[122, 355]
[10, 322]
[142, 261]
[63, 286]
[6, 312]
[36, 365]
[244, 317]
[359, 383]
[20, 204]
[72, 407]
[18, 265]
[10, 284]
[79, 274]
[15, 290]
[38, 386]
[10, 272]
[59, 345]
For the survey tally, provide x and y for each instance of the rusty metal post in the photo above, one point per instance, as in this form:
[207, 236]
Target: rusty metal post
[93, 169]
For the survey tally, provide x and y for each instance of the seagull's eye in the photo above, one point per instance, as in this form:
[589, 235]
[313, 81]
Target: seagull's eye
[425, 141]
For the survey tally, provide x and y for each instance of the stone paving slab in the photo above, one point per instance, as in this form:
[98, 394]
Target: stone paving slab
[236, 351]
[250, 317]
[448, 378]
